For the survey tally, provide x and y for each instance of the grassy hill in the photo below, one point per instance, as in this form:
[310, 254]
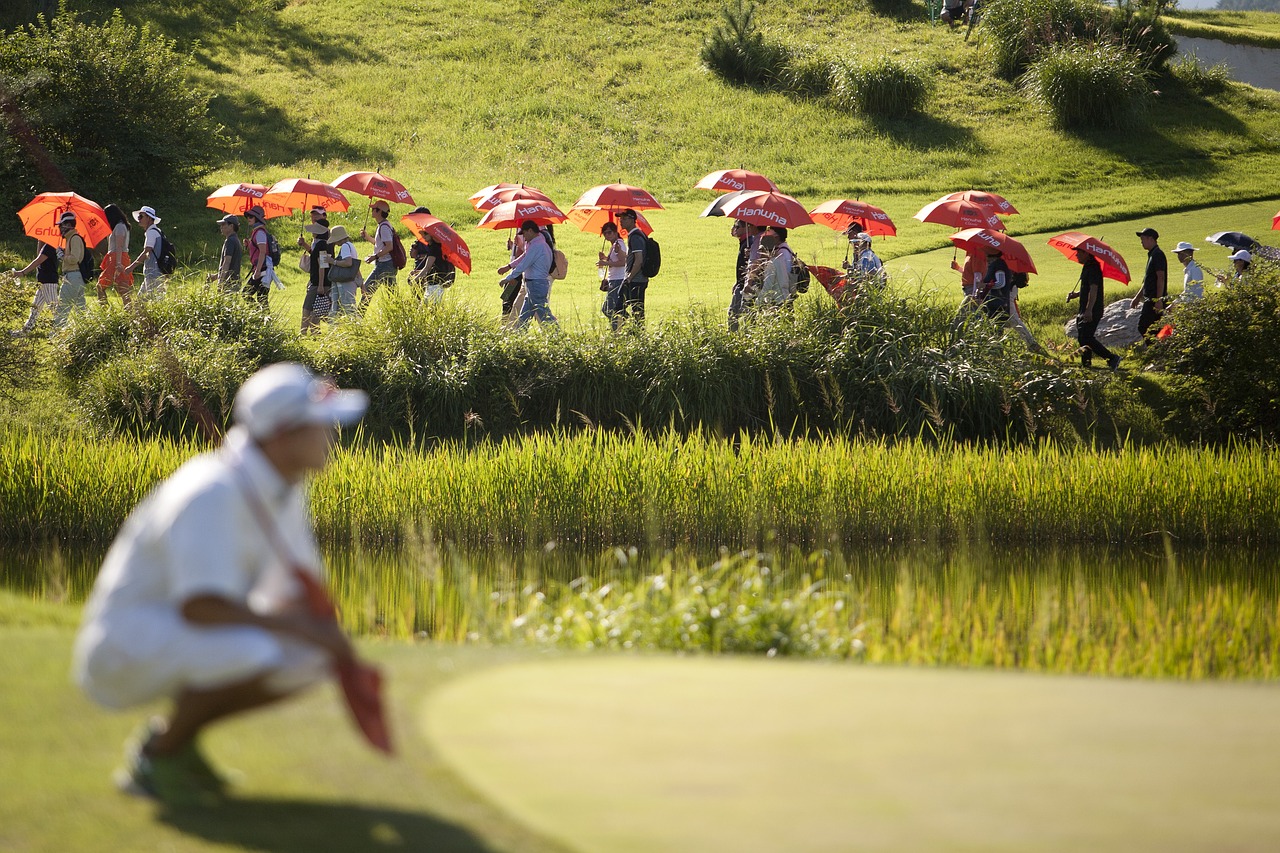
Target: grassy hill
[565, 95]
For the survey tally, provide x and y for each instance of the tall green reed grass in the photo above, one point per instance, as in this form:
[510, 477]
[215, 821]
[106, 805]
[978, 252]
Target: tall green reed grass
[599, 489]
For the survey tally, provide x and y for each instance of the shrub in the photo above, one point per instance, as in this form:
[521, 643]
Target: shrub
[808, 74]
[1088, 86]
[18, 356]
[880, 87]
[1211, 80]
[112, 104]
[740, 53]
[1222, 359]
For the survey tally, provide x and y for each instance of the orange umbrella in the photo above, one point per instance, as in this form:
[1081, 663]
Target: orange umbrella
[511, 194]
[1275, 223]
[237, 198]
[453, 247]
[959, 214]
[303, 193]
[997, 203]
[374, 185]
[510, 214]
[733, 180]
[481, 195]
[618, 197]
[592, 219]
[767, 208]
[839, 213]
[976, 240]
[1113, 264]
[40, 218]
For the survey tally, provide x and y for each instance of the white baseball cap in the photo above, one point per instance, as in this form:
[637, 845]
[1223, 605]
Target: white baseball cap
[1184, 246]
[1242, 255]
[285, 395]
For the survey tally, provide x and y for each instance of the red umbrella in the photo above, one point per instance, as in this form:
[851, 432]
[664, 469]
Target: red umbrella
[237, 198]
[511, 213]
[40, 218]
[453, 247]
[618, 197]
[511, 194]
[998, 204]
[1113, 264]
[1275, 223]
[838, 214]
[959, 214]
[734, 180]
[592, 219]
[767, 208]
[982, 240]
[361, 683]
[481, 195]
[374, 185]
[303, 194]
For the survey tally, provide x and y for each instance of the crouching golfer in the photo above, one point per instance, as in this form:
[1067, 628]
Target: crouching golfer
[197, 600]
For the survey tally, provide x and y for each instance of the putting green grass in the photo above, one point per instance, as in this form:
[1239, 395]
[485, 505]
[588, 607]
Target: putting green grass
[635, 754]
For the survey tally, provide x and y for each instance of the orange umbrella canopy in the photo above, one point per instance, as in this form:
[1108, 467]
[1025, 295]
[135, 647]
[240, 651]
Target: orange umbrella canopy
[1275, 223]
[498, 197]
[976, 240]
[592, 219]
[374, 185]
[839, 213]
[618, 197]
[453, 247]
[999, 206]
[766, 208]
[304, 193]
[1113, 263]
[482, 194]
[959, 214]
[40, 218]
[733, 180]
[510, 214]
[237, 198]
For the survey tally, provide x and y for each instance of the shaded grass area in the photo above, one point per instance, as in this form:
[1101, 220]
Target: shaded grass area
[309, 784]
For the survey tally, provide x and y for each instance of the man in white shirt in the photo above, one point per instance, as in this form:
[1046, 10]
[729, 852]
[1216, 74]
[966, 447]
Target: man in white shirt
[152, 278]
[199, 598]
[1192, 275]
[384, 267]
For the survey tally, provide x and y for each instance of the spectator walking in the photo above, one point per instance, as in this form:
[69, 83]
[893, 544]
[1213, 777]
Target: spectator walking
[513, 288]
[317, 284]
[995, 286]
[261, 267]
[613, 267]
[201, 598]
[75, 258]
[1090, 294]
[231, 256]
[1192, 275]
[1155, 282]
[153, 281]
[115, 264]
[344, 271]
[777, 284]
[384, 268]
[634, 281]
[437, 272]
[748, 238]
[45, 266]
[1241, 261]
[534, 264]
[1017, 281]
[866, 270]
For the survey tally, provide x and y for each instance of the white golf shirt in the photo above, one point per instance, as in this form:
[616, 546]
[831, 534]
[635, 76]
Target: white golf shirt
[196, 534]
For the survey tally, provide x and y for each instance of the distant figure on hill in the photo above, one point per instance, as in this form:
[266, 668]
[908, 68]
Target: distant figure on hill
[115, 264]
[1192, 275]
[201, 599]
[1155, 282]
[1090, 294]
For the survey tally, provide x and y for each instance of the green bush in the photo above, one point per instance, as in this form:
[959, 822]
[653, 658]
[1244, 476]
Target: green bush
[1088, 86]
[880, 87]
[1222, 358]
[111, 103]
[740, 53]
[1202, 80]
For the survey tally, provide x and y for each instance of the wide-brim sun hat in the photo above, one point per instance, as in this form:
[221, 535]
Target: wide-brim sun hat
[1184, 246]
[315, 228]
[1243, 255]
[287, 395]
[148, 210]
[338, 234]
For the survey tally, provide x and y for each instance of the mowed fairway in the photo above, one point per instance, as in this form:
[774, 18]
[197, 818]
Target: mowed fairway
[648, 754]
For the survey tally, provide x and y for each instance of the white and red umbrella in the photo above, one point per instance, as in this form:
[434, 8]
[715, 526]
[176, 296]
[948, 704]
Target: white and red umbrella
[959, 214]
[374, 185]
[303, 194]
[237, 198]
[984, 240]
[767, 208]
[1113, 264]
[511, 194]
[511, 213]
[40, 218]
[482, 194]
[736, 180]
[618, 197]
[452, 246]
[839, 213]
[999, 206]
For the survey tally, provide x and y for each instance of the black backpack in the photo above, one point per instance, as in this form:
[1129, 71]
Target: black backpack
[273, 248]
[652, 263]
[88, 270]
[166, 255]
[1019, 279]
[800, 272]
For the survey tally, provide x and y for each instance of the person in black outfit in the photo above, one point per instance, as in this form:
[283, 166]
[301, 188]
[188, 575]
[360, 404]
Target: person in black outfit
[996, 287]
[1091, 301]
[1155, 282]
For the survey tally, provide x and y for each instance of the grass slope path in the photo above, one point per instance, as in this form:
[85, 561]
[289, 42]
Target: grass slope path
[635, 754]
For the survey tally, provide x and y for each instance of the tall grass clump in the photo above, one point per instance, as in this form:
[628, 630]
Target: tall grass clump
[1199, 78]
[740, 53]
[880, 87]
[1084, 86]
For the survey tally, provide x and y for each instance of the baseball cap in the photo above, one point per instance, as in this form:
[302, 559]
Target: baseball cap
[229, 219]
[1149, 232]
[380, 204]
[67, 218]
[1184, 246]
[1243, 255]
[286, 395]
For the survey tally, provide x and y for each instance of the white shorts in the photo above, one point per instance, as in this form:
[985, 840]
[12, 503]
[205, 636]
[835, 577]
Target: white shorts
[153, 653]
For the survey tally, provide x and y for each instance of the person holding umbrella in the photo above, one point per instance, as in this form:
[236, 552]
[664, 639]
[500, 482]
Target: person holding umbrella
[613, 266]
[71, 293]
[260, 267]
[318, 284]
[1155, 282]
[384, 268]
[534, 264]
[1092, 301]
[1241, 260]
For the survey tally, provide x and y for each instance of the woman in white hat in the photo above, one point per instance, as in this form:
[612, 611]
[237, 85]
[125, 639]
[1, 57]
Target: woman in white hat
[343, 271]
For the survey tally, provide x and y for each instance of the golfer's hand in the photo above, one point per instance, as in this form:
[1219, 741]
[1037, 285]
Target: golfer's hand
[325, 634]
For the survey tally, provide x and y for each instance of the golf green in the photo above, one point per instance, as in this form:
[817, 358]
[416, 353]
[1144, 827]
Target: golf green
[649, 754]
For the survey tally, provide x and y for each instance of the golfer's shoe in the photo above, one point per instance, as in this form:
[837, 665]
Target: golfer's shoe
[182, 779]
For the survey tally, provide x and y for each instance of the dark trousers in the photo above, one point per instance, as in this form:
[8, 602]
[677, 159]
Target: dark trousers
[633, 299]
[510, 291]
[1148, 317]
[1087, 339]
[256, 288]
